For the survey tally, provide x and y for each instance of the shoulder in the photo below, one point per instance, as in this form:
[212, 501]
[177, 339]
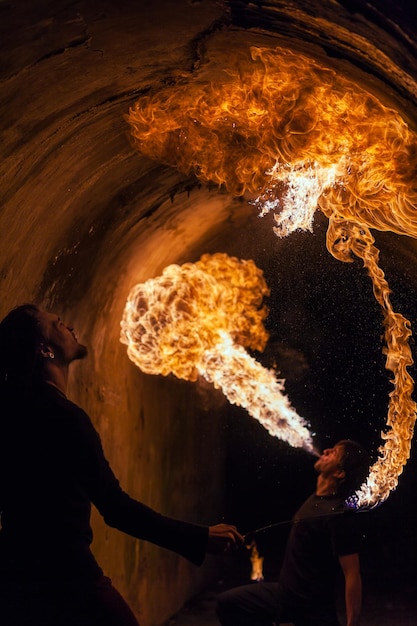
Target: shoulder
[65, 414]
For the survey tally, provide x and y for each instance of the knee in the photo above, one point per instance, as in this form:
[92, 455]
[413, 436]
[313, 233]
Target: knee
[248, 605]
[224, 607]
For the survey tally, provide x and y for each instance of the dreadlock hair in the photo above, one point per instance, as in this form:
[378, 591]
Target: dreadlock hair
[355, 463]
[20, 362]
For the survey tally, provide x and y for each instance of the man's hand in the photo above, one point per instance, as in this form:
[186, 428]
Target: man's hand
[223, 539]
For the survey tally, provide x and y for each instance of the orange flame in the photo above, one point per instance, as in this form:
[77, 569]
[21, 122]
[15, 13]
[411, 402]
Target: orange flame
[197, 319]
[345, 238]
[271, 111]
[257, 562]
[295, 137]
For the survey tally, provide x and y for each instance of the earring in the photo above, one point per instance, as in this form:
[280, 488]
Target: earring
[51, 355]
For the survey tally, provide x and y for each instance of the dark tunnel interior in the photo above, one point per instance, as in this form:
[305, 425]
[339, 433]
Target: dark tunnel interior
[85, 215]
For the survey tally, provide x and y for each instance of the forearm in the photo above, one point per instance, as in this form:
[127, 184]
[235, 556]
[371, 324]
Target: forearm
[353, 600]
[353, 587]
[138, 520]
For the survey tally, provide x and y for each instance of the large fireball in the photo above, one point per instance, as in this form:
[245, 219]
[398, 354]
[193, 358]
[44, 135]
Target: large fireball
[197, 319]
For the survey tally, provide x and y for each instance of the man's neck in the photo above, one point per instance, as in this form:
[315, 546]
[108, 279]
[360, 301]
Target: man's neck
[326, 486]
[57, 377]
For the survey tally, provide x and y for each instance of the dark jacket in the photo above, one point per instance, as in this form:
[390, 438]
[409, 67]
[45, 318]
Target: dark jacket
[52, 467]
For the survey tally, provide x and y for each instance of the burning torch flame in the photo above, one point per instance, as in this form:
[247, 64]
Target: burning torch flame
[197, 319]
[295, 137]
[257, 562]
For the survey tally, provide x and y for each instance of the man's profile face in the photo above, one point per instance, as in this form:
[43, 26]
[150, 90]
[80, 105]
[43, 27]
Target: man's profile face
[330, 461]
[60, 338]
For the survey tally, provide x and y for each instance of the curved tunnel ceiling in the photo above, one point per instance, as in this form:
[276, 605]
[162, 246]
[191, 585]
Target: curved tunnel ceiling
[85, 215]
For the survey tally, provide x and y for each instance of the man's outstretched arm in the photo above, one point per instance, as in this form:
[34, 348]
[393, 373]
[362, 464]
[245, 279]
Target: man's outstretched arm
[353, 587]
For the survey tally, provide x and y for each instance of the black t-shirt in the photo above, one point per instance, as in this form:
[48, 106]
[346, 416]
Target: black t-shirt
[52, 467]
[322, 530]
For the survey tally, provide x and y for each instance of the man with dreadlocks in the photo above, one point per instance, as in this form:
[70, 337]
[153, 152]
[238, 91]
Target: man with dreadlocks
[323, 537]
[52, 467]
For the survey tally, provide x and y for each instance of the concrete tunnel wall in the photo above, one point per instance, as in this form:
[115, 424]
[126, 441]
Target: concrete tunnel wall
[84, 217]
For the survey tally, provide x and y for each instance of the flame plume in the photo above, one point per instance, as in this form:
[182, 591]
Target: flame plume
[272, 113]
[345, 238]
[294, 137]
[197, 319]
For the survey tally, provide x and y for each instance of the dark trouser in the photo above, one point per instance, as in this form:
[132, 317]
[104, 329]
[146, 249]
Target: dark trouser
[64, 605]
[262, 604]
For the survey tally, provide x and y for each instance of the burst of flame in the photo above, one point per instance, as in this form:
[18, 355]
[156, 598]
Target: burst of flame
[345, 238]
[257, 562]
[295, 136]
[197, 319]
[304, 184]
[270, 109]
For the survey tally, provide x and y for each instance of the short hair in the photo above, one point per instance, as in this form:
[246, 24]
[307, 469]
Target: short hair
[20, 337]
[355, 463]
